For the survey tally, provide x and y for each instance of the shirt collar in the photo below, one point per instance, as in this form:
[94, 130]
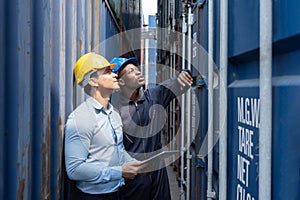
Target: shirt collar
[124, 100]
[98, 106]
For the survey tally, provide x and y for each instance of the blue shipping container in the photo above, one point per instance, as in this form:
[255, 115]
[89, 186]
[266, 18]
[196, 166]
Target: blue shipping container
[41, 41]
[244, 100]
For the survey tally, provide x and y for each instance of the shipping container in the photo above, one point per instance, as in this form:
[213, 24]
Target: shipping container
[238, 132]
[245, 120]
[41, 41]
[248, 109]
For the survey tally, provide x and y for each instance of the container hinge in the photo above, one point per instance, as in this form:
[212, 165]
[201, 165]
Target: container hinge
[199, 3]
[211, 194]
[198, 81]
[200, 162]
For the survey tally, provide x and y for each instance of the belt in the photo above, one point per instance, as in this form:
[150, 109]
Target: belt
[117, 195]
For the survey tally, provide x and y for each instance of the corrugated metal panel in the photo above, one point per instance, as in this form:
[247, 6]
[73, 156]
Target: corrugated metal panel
[200, 63]
[243, 132]
[71, 34]
[58, 101]
[81, 44]
[41, 80]
[17, 103]
[243, 142]
[2, 99]
[109, 39]
[243, 98]
[286, 11]
[71, 52]
[42, 40]
[131, 10]
[244, 35]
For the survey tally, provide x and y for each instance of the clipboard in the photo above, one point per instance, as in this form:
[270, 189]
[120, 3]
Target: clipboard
[160, 156]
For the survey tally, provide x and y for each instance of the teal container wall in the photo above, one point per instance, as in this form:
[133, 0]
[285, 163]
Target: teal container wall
[42, 40]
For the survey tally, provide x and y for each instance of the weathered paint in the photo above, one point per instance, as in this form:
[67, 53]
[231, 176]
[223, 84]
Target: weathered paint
[244, 77]
[243, 81]
[199, 32]
[42, 40]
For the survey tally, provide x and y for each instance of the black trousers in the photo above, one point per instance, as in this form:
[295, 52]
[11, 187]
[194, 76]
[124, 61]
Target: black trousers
[154, 186]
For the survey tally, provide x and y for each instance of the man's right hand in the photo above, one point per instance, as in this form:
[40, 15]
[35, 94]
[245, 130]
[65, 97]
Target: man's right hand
[131, 169]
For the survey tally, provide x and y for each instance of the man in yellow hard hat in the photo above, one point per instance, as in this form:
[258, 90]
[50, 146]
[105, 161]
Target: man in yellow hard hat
[94, 152]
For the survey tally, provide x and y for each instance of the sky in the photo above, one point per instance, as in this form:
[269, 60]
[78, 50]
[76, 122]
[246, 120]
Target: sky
[149, 7]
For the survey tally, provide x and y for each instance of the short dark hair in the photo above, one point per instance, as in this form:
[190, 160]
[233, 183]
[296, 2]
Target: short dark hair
[88, 87]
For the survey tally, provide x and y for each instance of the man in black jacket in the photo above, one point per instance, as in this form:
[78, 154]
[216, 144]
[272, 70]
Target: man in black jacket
[142, 120]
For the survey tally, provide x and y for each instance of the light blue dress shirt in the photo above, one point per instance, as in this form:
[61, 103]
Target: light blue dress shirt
[94, 151]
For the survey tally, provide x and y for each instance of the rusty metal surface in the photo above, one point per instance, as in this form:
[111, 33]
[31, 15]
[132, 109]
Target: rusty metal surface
[42, 40]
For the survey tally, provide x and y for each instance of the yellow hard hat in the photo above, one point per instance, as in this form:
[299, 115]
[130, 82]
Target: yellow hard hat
[89, 62]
